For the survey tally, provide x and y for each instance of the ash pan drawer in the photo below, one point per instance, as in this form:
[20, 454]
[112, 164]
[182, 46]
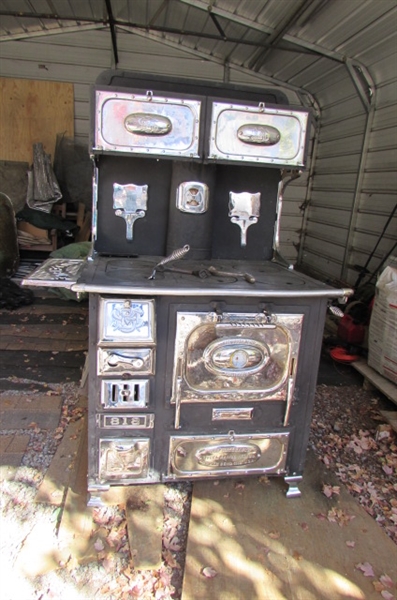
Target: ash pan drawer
[232, 454]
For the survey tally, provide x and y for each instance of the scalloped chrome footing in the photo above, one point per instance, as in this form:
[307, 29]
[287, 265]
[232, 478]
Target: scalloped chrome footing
[293, 490]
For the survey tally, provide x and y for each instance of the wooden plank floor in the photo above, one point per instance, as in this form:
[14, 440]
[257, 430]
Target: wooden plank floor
[254, 543]
[43, 342]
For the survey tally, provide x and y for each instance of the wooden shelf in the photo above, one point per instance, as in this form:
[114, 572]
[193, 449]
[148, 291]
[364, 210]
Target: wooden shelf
[388, 388]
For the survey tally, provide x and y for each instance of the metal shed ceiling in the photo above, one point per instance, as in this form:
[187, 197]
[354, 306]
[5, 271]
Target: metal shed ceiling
[338, 56]
[278, 39]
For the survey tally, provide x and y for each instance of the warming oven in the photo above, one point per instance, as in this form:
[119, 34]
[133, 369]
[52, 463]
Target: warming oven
[204, 344]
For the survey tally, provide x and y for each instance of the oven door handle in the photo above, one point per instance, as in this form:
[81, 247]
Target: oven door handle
[177, 399]
[290, 399]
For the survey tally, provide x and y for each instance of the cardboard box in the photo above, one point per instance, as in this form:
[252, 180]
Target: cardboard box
[32, 230]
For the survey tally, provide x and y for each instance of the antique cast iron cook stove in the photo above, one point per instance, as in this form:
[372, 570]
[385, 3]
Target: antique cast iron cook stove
[204, 346]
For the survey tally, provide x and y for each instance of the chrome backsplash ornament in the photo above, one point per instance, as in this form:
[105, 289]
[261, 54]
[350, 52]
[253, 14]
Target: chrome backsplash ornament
[244, 211]
[130, 203]
[192, 197]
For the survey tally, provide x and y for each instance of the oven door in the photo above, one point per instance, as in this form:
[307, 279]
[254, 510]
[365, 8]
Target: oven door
[238, 357]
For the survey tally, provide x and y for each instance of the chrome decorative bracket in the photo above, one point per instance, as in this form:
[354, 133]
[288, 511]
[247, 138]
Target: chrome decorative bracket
[130, 203]
[244, 211]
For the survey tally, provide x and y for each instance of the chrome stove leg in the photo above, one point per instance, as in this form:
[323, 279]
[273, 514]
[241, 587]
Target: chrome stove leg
[293, 490]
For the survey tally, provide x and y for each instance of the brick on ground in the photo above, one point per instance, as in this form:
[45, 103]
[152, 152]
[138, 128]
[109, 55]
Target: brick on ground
[19, 412]
[12, 449]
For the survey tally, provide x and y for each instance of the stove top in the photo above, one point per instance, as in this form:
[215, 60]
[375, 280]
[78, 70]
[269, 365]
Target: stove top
[112, 275]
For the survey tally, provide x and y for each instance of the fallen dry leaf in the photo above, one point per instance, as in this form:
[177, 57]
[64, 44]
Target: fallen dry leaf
[99, 545]
[321, 516]
[209, 572]
[264, 479]
[337, 515]
[366, 568]
[378, 586]
[330, 490]
[170, 560]
[387, 469]
[387, 595]
[386, 580]
[350, 544]
[274, 535]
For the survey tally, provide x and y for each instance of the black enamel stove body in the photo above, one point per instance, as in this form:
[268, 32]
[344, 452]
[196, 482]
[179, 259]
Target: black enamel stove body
[203, 348]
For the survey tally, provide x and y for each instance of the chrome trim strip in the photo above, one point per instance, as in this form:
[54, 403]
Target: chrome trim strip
[232, 414]
[156, 289]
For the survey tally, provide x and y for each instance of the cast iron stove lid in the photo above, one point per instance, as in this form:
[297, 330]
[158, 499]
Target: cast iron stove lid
[110, 275]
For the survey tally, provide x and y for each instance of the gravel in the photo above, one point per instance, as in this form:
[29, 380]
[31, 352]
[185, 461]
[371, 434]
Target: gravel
[348, 434]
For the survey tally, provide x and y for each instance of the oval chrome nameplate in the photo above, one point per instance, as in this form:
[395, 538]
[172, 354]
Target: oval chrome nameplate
[263, 135]
[147, 124]
[235, 356]
[235, 455]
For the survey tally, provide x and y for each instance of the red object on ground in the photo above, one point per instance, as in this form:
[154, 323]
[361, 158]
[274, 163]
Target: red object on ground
[349, 331]
[341, 355]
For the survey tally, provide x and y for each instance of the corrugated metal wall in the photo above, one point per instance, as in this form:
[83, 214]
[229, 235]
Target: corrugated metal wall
[332, 216]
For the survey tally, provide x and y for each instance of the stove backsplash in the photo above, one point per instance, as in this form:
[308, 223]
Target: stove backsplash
[175, 169]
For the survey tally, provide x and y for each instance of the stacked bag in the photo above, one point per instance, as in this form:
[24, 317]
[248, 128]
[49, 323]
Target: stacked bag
[382, 342]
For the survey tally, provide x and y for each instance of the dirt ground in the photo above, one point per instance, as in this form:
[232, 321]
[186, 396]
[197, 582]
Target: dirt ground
[348, 434]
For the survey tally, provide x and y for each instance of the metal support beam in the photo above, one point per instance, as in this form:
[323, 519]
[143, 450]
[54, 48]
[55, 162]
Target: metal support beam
[211, 58]
[300, 43]
[357, 195]
[112, 31]
[217, 24]
[274, 38]
[362, 82]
